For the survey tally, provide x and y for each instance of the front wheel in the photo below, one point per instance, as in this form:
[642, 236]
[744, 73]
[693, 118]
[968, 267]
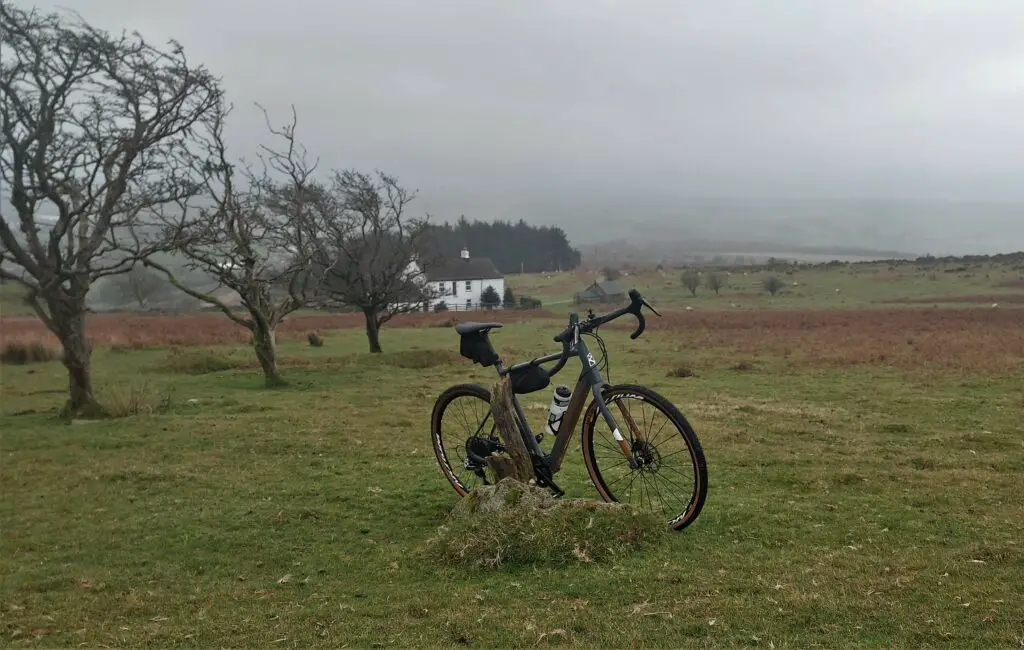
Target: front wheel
[671, 479]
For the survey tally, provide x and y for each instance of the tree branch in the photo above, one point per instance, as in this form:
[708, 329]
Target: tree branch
[204, 297]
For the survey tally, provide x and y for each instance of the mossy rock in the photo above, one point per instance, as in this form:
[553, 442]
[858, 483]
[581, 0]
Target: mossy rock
[514, 524]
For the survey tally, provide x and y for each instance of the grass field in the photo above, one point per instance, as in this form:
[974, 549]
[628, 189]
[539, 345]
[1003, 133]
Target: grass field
[820, 287]
[865, 475]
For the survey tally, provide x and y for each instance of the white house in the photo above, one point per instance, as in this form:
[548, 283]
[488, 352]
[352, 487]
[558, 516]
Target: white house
[460, 283]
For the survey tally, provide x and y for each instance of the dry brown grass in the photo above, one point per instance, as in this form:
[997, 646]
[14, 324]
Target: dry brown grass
[134, 331]
[986, 341]
[982, 341]
[17, 352]
[984, 299]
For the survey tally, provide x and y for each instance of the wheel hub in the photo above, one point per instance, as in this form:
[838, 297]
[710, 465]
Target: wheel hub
[647, 457]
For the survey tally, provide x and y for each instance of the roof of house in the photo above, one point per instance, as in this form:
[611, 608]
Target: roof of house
[604, 287]
[474, 268]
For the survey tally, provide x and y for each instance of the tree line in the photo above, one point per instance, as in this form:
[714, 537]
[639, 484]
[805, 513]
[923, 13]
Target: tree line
[513, 247]
[124, 142]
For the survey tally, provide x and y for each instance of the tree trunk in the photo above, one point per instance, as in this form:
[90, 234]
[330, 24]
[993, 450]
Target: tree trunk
[264, 341]
[67, 316]
[372, 329]
[515, 462]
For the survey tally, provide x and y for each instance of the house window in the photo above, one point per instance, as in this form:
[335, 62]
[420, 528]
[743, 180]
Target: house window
[455, 289]
[469, 285]
[469, 303]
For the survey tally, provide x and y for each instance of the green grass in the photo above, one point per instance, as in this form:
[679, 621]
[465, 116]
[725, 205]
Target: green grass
[855, 507]
[850, 286]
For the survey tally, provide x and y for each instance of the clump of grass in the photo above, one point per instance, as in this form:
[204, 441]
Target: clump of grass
[22, 353]
[513, 524]
[922, 463]
[743, 366]
[684, 370]
[135, 399]
[315, 340]
[896, 427]
[420, 359]
[447, 322]
[199, 362]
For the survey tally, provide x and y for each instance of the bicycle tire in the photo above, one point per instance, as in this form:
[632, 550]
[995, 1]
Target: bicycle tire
[698, 495]
[437, 437]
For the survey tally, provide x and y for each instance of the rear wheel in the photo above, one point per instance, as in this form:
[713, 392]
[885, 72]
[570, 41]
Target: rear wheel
[463, 433]
[671, 479]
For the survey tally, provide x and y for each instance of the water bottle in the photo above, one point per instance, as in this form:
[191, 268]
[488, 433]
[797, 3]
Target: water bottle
[559, 402]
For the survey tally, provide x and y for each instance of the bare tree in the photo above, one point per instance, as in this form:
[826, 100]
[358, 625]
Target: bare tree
[255, 238]
[691, 280]
[139, 285]
[375, 255]
[716, 282]
[95, 129]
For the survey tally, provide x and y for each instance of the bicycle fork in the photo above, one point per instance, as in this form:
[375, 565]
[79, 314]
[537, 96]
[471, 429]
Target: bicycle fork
[597, 384]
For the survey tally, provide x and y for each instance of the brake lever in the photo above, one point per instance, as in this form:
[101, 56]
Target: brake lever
[648, 305]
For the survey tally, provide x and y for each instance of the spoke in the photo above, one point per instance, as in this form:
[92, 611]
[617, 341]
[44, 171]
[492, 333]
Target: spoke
[618, 464]
[675, 453]
[655, 479]
[660, 429]
[688, 477]
[658, 492]
[629, 489]
[620, 478]
[465, 420]
[683, 489]
[639, 483]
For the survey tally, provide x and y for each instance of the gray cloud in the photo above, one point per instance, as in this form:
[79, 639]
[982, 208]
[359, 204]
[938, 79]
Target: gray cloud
[562, 108]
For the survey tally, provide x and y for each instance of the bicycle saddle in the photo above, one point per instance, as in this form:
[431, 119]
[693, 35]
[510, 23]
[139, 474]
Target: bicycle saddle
[469, 328]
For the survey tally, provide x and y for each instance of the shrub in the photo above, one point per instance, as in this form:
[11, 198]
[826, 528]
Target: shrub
[315, 340]
[441, 306]
[21, 353]
[490, 298]
[772, 284]
[510, 299]
[682, 371]
[421, 359]
[196, 363]
[526, 302]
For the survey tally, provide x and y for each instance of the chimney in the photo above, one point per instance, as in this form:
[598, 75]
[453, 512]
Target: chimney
[465, 254]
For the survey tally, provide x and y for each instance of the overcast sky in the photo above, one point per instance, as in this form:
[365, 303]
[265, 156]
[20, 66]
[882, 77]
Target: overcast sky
[479, 103]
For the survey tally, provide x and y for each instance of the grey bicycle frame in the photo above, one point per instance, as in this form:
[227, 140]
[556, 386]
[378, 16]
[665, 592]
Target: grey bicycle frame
[590, 380]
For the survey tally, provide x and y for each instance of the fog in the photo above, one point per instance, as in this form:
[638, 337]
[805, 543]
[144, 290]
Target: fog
[892, 124]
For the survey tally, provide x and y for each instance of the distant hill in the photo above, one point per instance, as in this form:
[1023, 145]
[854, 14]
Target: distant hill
[665, 251]
[872, 226]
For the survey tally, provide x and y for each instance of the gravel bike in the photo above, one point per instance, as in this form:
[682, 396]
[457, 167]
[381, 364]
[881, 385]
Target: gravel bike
[658, 460]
